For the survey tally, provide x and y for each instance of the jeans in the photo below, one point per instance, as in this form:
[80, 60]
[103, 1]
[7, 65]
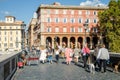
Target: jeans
[103, 64]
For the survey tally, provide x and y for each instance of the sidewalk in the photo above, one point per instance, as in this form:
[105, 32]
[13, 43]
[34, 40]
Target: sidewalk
[61, 71]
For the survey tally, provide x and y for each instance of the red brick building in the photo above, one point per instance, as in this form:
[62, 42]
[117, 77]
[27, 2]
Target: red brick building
[60, 24]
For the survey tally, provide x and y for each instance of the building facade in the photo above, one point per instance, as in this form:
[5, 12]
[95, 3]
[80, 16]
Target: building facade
[31, 32]
[12, 34]
[66, 25]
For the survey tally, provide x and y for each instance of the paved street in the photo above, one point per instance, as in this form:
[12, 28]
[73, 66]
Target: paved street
[61, 71]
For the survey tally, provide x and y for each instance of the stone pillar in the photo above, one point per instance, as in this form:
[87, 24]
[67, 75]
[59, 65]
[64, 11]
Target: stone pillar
[53, 42]
[76, 42]
[60, 41]
[68, 42]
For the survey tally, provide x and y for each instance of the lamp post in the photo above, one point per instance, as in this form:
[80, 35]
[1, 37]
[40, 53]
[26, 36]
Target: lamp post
[85, 27]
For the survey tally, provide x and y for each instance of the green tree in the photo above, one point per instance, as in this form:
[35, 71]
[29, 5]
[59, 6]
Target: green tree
[110, 25]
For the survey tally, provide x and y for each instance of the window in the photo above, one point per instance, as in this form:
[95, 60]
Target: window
[72, 20]
[64, 20]
[64, 29]
[87, 20]
[95, 29]
[95, 21]
[80, 12]
[87, 12]
[80, 20]
[10, 19]
[5, 32]
[64, 11]
[5, 39]
[95, 13]
[16, 32]
[48, 29]
[11, 44]
[72, 12]
[88, 30]
[72, 29]
[10, 38]
[56, 11]
[49, 20]
[56, 20]
[48, 11]
[17, 44]
[5, 44]
[80, 29]
[16, 39]
[56, 29]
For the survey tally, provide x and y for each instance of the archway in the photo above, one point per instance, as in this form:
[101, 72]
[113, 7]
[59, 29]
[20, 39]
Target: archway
[72, 42]
[95, 41]
[80, 42]
[64, 41]
[48, 41]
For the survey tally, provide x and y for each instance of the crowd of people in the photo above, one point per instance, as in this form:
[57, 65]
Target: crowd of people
[97, 62]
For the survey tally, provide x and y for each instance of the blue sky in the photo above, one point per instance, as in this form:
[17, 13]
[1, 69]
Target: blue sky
[24, 9]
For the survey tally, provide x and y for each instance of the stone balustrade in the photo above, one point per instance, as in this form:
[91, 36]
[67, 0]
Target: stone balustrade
[8, 64]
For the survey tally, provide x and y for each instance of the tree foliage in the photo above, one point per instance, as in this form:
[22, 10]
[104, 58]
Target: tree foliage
[110, 25]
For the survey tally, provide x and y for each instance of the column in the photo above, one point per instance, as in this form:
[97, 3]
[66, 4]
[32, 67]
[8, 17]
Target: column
[60, 41]
[53, 43]
[76, 42]
[68, 42]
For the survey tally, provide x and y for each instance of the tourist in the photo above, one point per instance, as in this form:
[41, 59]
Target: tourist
[57, 51]
[68, 55]
[103, 56]
[86, 55]
[43, 54]
[95, 54]
[50, 54]
[76, 54]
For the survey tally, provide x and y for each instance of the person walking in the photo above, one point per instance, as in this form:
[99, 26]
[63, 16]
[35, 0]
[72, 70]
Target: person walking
[68, 55]
[57, 51]
[86, 55]
[50, 54]
[43, 55]
[96, 61]
[76, 54]
[103, 56]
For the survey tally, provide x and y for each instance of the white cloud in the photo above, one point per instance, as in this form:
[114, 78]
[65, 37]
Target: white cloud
[92, 3]
[5, 12]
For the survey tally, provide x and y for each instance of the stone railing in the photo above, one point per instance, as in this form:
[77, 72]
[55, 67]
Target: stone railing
[8, 64]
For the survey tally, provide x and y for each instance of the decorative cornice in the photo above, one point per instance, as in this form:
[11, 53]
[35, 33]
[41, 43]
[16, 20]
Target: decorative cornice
[42, 6]
[11, 24]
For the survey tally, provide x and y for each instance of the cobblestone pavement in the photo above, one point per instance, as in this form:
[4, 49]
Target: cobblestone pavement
[61, 71]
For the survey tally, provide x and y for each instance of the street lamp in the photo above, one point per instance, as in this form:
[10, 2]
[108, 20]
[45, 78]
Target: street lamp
[85, 27]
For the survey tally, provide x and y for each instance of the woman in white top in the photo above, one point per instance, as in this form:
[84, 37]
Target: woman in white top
[43, 55]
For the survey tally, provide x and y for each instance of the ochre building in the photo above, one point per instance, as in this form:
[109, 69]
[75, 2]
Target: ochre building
[12, 34]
